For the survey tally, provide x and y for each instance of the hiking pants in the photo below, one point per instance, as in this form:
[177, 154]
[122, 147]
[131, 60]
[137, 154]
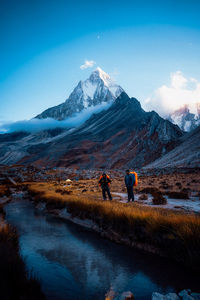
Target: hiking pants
[130, 193]
[106, 190]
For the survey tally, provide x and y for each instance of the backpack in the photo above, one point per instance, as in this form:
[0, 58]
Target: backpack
[106, 181]
[136, 178]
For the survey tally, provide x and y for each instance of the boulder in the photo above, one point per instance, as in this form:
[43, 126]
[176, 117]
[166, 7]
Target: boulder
[158, 296]
[172, 296]
[184, 293]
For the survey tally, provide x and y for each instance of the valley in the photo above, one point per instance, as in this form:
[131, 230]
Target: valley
[49, 189]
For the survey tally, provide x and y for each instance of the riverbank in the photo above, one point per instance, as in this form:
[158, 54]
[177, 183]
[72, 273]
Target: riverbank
[15, 283]
[73, 262]
[172, 234]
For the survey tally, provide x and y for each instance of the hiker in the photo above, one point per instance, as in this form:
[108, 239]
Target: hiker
[129, 182]
[104, 183]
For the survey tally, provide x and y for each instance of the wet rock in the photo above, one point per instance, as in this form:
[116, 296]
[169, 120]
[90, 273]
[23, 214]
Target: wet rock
[169, 296]
[184, 293]
[158, 296]
[172, 296]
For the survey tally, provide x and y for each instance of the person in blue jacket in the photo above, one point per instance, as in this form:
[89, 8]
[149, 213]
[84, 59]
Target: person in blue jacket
[129, 182]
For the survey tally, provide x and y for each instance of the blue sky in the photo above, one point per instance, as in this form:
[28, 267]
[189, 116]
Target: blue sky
[140, 43]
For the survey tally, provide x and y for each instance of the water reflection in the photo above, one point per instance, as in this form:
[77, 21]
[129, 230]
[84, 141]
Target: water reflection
[73, 263]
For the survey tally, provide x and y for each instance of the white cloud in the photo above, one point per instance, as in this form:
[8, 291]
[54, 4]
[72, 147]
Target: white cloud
[87, 64]
[35, 125]
[181, 91]
[178, 81]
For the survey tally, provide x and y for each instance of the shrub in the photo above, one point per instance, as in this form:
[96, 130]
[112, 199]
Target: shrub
[66, 192]
[143, 197]
[163, 182]
[158, 199]
[185, 190]
[178, 195]
[165, 187]
[149, 190]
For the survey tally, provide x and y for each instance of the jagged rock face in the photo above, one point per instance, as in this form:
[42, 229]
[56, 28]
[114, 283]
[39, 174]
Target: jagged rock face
[187, 117]
[122, 136]
[184, 155]
[96, 89]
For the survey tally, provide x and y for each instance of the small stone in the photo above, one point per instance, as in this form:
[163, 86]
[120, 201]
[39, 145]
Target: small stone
[172, 296]
[158, 296]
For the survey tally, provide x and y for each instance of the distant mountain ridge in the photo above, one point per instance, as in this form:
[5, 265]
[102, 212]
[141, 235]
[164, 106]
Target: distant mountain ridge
[187, 117]
[98, 88]
[124, 135]
[185, 155]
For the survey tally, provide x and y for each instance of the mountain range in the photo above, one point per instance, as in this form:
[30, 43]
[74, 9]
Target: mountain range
[123, 135]
[186, 117]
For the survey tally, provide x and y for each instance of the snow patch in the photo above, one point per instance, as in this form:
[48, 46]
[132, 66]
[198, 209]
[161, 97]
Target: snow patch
[187, 125]
[89, 89]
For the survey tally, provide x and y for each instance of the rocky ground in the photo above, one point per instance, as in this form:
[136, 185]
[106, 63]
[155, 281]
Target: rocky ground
[179, 189]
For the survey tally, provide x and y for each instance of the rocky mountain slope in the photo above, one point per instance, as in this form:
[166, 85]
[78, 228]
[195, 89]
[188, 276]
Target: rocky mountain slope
[187, 117]
[96, 89]
[185, 155]
[122, 136]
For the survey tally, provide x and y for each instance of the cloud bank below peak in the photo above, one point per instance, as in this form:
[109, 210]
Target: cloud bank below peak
[35, 125]
[180, 92]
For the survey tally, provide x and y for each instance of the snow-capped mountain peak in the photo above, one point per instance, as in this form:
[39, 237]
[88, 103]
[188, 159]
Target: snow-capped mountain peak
[100, 74]
[100, 82]
[187, 117]
[98, 88]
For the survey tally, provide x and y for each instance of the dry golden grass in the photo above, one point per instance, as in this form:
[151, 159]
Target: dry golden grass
[172, 182]
[176, 232]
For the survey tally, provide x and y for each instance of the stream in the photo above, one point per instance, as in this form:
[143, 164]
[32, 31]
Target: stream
[74, 263]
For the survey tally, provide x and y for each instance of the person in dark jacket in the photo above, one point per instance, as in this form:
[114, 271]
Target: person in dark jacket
[129, 182]
[104, 183]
